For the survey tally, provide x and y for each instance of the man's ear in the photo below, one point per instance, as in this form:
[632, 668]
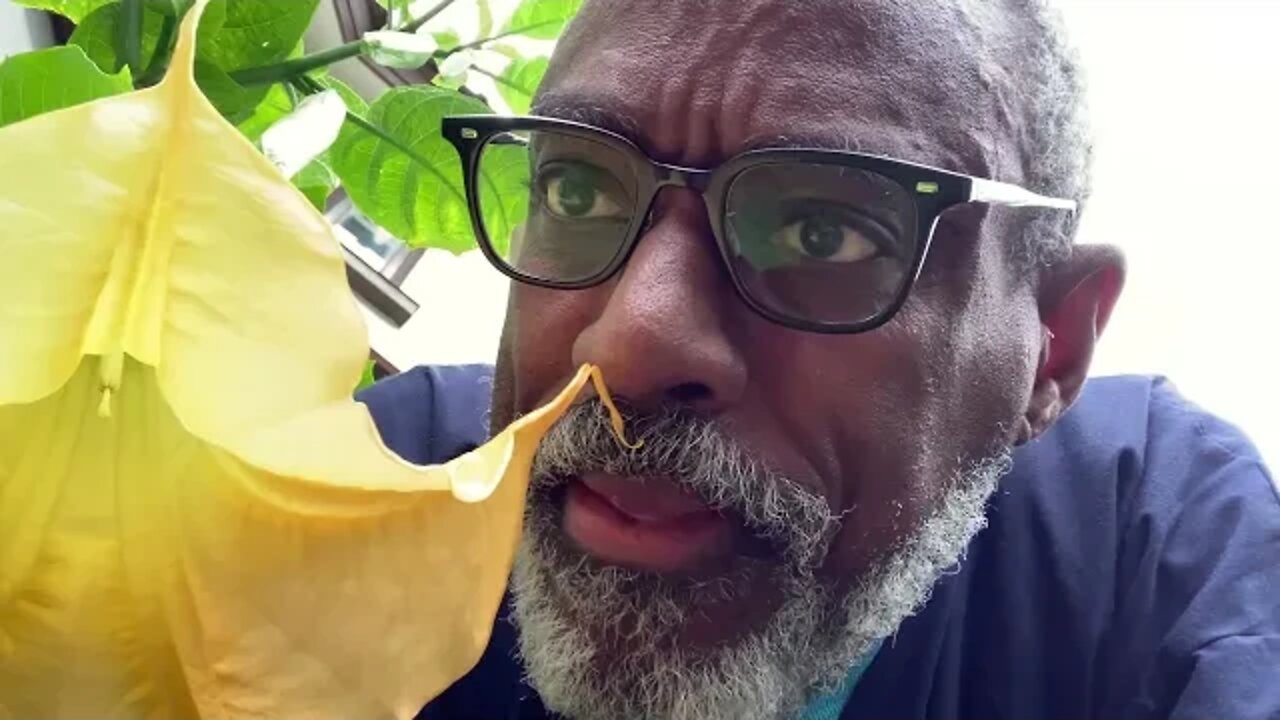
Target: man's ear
[1076, 299]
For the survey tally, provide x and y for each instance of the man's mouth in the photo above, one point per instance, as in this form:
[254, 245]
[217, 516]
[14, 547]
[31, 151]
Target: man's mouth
[645, 523]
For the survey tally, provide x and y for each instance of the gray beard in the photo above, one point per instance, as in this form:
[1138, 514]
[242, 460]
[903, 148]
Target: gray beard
[806, 648]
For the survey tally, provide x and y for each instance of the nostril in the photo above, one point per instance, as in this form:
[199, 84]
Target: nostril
[689, 393]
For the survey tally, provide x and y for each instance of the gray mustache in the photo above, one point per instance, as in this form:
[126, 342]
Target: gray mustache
[695, 452]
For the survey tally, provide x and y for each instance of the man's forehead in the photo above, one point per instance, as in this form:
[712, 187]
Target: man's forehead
[633, 122]
[695, 82]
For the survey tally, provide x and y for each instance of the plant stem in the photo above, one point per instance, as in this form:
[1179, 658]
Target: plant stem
[408, 151]
[306, 85]
[384, 137]
[414, 25]
[500, 80]
[164, 52]
[129, 36]
[514, 31]
[297, 66]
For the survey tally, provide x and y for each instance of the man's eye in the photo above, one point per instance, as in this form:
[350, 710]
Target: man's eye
[833, 237]
[579, 193]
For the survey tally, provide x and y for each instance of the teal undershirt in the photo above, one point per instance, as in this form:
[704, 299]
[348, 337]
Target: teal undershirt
[829, 706]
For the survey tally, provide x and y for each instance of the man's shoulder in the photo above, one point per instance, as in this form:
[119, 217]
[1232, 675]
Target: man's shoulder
[1148, 411]
[1134, 470]
[431, 414]
[1124, 562]
[1195, 624]
[1140, 437]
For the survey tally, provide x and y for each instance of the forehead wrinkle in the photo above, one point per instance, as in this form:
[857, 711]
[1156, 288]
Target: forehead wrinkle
[844, 136]
[855, 137]
[589, 111]
[703, 78]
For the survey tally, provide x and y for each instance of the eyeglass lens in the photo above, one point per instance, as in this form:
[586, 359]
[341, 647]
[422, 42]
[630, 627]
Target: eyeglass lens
[823, 243]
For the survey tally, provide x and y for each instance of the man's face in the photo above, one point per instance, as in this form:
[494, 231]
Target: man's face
[798, 492]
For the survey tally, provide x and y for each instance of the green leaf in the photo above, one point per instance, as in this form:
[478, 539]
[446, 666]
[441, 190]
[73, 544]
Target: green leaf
[235, 101]
[355, 103]
[273, 107]
[51, 79]
[75, 10]
[97, 35]
[172, 8]
[400, 7]
[317, 181]
[519, 82]
[257, 32]
[484, 11]
[129, 37]
[399, 12]
[406, 176]
[367, 378]
[504, 184]
[505, 50]
[541, 19]
[753, 226]
[447, 39]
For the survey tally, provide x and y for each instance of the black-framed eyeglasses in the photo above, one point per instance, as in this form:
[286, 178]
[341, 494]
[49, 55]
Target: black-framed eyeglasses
[819, 240]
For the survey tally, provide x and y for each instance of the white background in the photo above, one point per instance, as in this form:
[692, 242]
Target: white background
[1186, 103]
[20, 31]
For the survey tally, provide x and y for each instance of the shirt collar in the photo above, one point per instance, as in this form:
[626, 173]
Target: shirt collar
[829, 706]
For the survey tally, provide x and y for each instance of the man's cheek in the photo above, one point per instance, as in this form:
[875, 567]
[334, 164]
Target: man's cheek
[542, 326]
[897, 442]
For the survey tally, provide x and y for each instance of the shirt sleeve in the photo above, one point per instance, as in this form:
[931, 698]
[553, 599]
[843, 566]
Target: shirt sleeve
[1198, 600]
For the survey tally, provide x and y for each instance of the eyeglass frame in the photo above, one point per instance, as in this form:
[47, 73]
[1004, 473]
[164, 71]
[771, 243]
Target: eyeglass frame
[935, 190]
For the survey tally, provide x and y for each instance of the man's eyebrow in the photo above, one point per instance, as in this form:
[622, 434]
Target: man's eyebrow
[848, 140]
[577, 109]
[791, 141]
[567, 106]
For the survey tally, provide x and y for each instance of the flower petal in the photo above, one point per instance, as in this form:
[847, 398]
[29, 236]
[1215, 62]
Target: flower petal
[230, 537]
[144, 572]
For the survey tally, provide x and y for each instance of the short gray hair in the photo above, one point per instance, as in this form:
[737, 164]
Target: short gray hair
[1057, 143]
[1037, 73]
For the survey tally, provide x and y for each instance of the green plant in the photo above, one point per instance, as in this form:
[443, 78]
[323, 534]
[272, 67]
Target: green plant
[388, 156]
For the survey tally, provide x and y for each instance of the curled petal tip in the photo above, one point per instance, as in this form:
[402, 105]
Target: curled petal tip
[615, 417]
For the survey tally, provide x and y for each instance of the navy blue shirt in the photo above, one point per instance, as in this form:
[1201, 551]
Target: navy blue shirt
[1131, 569]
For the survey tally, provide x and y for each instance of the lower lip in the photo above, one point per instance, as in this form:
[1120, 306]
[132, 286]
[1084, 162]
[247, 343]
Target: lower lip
[667, 546]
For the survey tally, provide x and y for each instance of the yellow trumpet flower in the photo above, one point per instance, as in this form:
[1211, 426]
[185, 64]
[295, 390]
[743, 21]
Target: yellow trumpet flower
[196, 519]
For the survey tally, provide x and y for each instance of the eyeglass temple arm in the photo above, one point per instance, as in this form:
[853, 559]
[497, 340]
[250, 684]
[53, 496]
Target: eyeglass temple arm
[507, 138]
[998, 193]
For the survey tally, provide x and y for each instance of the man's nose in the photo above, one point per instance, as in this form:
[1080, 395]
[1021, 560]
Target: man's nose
[666, 331]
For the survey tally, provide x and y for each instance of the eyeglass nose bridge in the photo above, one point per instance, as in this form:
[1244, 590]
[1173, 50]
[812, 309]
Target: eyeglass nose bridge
[676, 176]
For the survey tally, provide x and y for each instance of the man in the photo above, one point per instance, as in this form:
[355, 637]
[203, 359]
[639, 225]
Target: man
[835, 395]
